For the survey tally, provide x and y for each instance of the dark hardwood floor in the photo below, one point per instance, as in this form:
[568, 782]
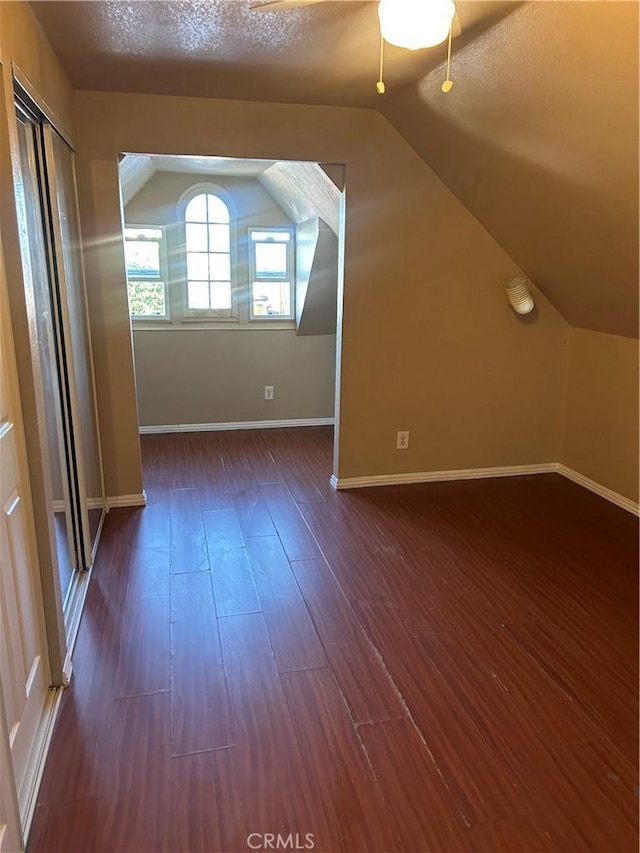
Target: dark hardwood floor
[441, 667]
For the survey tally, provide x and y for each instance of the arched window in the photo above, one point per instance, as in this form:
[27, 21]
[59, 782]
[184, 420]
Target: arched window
[208, 243]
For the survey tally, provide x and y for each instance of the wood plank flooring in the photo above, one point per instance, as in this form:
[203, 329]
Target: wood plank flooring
[442, 667]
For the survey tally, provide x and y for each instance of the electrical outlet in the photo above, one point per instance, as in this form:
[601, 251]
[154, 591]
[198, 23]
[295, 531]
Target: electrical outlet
[268, 392]
[402, 440]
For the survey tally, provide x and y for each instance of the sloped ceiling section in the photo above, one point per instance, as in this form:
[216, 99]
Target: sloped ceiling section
[311, 198]
[303, 190]
[135, 171]
[539, 139]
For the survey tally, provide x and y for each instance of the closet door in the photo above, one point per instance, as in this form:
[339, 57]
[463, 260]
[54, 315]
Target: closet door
[60, 166]
[49, 439]
[56, 364]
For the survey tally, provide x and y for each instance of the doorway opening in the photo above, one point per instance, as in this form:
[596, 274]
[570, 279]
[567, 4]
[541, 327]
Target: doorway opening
[234, 275]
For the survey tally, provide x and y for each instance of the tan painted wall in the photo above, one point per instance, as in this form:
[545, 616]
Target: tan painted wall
[157, 202]
[218, 376]
[23, 43]
[601, 421]
[429, 343]
[199, 377]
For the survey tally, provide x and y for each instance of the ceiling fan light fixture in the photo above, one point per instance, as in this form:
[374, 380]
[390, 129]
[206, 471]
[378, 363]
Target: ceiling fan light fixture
[415, 24]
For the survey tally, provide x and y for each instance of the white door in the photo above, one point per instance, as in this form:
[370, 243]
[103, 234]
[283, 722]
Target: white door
[24, 667]
[9, 813]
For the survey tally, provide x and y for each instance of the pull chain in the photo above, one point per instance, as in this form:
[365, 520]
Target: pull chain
[447, 86]
[380, 87]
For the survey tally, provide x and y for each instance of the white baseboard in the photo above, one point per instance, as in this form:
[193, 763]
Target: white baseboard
[127, 500]
[441, 476]
[482, 473]
[293, 422]
[96, 503]
[92, 503]
[604, 492]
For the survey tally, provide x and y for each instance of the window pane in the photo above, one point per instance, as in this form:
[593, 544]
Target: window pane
[143, 258]
[221, 294]
[271, 299]
[218, 210]
[271, 236]
[146, 298]
[198, 294]
[219, 268]
[219, 238]
[197, 209]
[198, 266]
[197, 238]
[271, 260]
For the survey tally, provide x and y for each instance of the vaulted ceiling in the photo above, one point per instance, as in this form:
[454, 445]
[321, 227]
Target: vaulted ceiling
[538, 138]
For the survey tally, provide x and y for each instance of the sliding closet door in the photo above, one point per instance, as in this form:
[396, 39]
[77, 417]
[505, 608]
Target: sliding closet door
[56, 364]
[60, 167]
[45, 357]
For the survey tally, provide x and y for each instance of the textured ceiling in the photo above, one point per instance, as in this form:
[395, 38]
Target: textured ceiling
[322, 54]
[538, 138]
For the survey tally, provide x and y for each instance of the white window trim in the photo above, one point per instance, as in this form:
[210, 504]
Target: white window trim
[291, 263]
[195, 315]
[173, 326]
[178, 317]
[164, 275]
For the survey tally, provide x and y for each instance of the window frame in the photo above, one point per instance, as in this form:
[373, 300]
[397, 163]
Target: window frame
[290, 278]
[174, 268]
[195, 315]
[163, 277]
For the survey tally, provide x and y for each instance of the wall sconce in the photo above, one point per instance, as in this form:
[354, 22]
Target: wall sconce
[519, 295]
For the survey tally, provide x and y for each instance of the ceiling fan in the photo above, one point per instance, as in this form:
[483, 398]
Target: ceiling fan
[411, 24]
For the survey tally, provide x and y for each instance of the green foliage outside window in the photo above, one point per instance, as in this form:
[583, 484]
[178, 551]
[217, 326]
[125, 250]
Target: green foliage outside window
[146, 298]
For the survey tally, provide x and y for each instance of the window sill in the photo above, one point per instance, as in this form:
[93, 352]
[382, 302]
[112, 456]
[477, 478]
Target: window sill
[212, 325]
